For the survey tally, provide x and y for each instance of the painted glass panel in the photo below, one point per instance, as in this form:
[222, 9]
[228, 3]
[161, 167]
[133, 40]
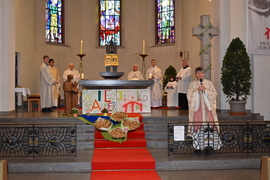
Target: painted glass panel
[109, 22]
[165, 21]
[53, 13]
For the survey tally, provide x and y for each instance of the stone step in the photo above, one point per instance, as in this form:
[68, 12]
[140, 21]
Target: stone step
[82, 163]
[156, 135]
[181, 119]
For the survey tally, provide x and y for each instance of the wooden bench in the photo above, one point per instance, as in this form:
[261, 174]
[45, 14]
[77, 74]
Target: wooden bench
[31, 100]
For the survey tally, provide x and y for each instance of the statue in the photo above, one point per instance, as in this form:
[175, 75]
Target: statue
[70, 94]
[111, 45]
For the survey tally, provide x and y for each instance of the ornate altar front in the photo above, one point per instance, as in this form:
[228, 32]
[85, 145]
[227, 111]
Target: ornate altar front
[130, 96]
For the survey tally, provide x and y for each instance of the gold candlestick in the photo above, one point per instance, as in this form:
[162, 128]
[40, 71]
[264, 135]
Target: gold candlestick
[81, 65]
[143, 65]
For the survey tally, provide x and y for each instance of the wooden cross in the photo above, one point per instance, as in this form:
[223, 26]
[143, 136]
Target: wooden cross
[205, 32]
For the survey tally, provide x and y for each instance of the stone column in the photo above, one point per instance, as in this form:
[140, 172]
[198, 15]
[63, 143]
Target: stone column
[7, 55]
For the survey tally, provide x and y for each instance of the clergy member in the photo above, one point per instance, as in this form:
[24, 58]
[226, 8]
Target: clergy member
[55, 87]
[74, 73]
[172, 95]
[201, 97]
[135, 74]
[156, 89]
[184, 78]
[45, 86]
[71, 71]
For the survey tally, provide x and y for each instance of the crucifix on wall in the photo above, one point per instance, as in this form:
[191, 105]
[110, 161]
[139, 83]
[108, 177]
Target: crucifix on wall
[205, 32]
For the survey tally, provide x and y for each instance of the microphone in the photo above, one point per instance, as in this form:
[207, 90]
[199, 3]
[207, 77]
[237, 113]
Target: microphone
[201, 81]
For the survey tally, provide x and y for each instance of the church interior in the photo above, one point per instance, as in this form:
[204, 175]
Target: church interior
[23, 46]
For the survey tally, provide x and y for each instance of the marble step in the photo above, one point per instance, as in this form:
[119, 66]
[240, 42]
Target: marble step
[82, 163]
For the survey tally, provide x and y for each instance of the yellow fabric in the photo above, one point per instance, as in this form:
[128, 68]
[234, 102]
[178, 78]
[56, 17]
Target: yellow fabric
[55, 74]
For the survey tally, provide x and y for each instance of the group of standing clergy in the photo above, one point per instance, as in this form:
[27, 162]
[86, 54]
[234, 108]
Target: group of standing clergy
[50, 83]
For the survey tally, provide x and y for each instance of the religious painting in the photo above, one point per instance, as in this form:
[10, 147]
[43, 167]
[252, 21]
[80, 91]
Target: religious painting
[115, 60]
[54, 18]
[165, 21]
[109, 22]
[108, 60]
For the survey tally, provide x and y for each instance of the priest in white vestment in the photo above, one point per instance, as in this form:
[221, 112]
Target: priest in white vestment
[135, 74]
[184, 78]
[75, 74]
[172, 95]
[201, 97]
[56, 87]
[45, 86]
[156, 89]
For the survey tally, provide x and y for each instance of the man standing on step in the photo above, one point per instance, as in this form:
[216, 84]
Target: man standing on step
[155, 74]
[56, 87]
[184, 78]
[201, 97]
[45, 86]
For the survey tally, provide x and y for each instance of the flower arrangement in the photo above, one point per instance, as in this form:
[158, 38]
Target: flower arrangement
[104, 110]
[75, 110]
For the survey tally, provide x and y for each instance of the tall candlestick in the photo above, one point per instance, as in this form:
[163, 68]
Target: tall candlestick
[81, 47]
[143, 47]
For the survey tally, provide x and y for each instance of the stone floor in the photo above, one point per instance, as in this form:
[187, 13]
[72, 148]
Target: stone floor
[228, 174]
[242, 174]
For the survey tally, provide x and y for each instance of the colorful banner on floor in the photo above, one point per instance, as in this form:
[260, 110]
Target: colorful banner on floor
[124, 100]
[258, 27]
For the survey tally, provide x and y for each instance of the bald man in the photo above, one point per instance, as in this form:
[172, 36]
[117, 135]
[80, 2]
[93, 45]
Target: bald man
[135, 74]
[71, 71]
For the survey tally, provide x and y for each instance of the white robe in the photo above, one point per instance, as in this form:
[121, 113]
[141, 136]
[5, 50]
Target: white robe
[210, 94]
[45, 86]
[133, 75]
[207, 101]
[172, 95]
[183, 83]
[76, 74]
[156, 88]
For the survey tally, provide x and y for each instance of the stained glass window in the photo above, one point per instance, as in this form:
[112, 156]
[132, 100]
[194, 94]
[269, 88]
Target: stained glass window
[54, 21]
[109, 22]
[165, 21]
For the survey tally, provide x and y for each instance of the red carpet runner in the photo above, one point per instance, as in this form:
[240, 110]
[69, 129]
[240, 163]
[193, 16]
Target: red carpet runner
[128, 160]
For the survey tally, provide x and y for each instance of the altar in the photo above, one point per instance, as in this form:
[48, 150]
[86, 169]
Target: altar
[112, 94]
[129, 96]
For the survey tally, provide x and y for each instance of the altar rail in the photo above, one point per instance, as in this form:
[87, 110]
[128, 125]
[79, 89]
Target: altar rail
[38, 140]
[227, 137]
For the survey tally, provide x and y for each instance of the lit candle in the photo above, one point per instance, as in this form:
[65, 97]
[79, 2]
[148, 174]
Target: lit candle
[82, 76]
[81, 47]
[143, 47]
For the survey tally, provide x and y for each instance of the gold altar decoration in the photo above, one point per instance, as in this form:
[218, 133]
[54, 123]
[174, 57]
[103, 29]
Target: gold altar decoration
[111, 60]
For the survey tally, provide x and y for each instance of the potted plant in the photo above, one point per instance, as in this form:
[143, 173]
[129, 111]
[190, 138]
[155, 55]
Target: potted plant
[236, 76]
[104, 111]
[75, 111]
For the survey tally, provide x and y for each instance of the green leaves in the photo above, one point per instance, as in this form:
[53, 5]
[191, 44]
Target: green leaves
[236, 72]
